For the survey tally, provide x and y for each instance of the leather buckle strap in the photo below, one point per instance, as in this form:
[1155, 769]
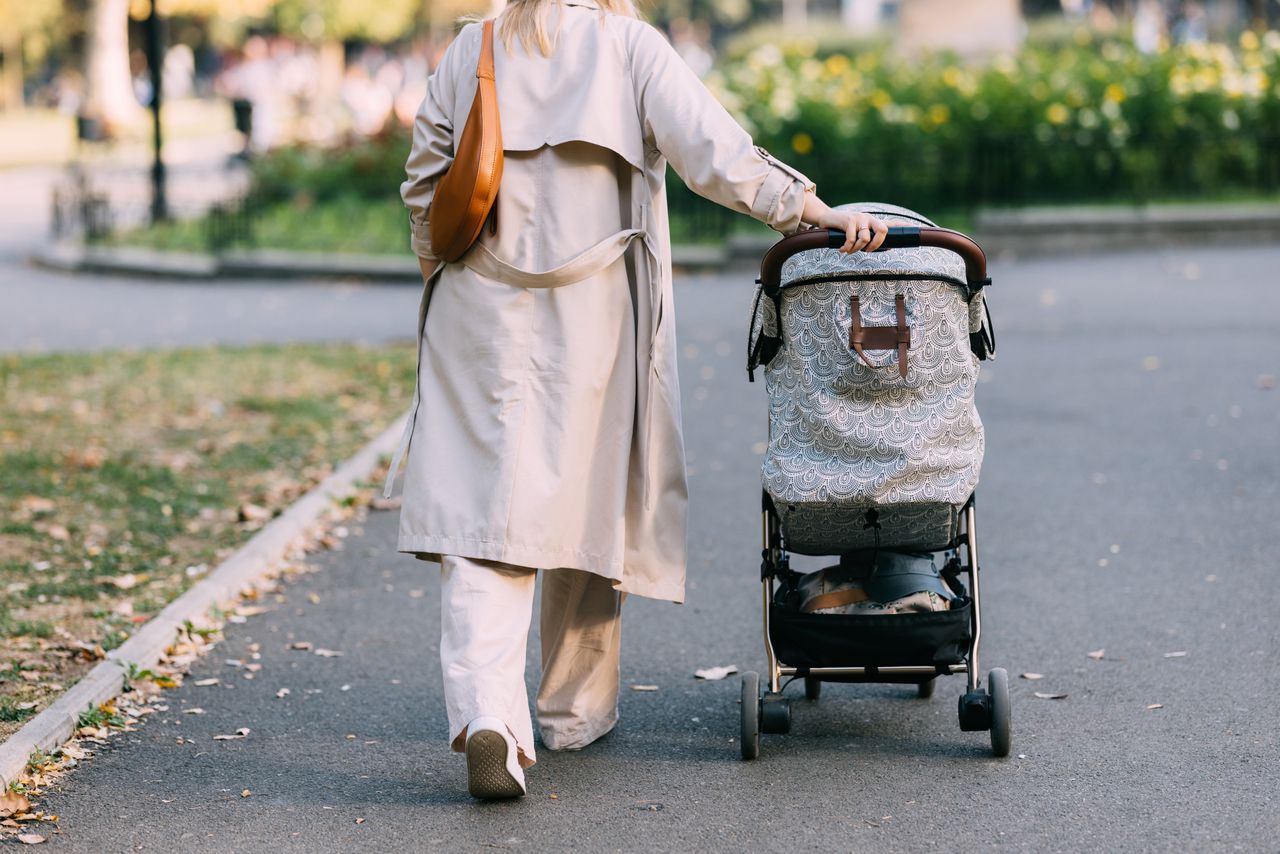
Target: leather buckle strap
[897, 337]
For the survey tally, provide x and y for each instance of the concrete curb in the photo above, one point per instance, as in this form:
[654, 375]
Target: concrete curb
[249, 565]
[1043, 231]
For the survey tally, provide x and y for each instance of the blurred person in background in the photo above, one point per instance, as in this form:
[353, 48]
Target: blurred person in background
[545, 429]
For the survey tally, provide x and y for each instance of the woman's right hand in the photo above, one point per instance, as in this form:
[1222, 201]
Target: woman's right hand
[863, 232]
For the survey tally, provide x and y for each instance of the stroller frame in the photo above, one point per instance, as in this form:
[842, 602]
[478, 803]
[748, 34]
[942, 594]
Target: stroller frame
[980, 709]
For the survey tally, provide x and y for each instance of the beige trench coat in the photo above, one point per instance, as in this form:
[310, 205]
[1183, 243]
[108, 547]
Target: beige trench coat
[545, 426]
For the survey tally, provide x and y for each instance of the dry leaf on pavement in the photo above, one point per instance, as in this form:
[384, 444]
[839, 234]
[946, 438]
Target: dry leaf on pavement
[328, 653]
[1047, 696]
[205, 683]
[1033, 676]
[712, 674]
[300, 645]
[1097, 654]
[12, 803]
[30, 838]
[1155, 706]
[644, 687]
[1182, 653]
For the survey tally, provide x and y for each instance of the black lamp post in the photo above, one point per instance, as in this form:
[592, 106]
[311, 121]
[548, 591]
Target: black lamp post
[155, 64]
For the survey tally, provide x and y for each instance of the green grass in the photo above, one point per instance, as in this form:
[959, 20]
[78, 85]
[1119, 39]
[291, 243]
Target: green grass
[120, 470]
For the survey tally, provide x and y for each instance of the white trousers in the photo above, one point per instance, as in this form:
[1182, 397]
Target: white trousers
[486, 608]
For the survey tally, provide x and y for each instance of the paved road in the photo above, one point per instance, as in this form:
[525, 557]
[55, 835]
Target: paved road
[42, 310]
[1128, 503]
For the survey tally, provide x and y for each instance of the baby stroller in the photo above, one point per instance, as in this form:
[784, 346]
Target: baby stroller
[870, 363]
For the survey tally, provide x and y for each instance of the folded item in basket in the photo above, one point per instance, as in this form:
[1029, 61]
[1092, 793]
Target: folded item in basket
[875, 582]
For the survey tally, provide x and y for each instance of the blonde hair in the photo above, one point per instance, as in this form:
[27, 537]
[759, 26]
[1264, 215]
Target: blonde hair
[527, 21]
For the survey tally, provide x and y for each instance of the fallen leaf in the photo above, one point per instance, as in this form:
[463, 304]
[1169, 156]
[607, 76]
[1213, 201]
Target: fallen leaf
[1155, 706]
[282, 693]
[30, 838]
[1033, 676]
[195, 710]
[252, 610]
[227, 737]
[246, 793]
[711, 674]
[205, 683]
[1182, 653]
[361, 821]
[254, 513]
[1097, 654]
[328, 653]
[8, 822]
[1046, 696]
[300, 645]
[313, 598]
[12, 802]
[644, 687]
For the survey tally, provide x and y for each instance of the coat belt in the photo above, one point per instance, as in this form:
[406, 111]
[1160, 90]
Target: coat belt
[581, 266]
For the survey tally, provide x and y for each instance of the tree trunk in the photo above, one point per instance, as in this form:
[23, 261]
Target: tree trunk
[11, 89]
[795, 13]
[109, 89]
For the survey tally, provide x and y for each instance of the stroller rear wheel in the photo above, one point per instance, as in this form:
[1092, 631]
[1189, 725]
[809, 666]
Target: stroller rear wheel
[998, 688]
[775, 714]
[750, 715]
[812, 688]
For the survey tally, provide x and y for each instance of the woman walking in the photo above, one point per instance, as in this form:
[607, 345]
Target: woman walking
[545, 429]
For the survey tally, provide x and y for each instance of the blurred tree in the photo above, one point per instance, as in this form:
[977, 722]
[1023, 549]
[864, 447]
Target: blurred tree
[326, 20]
[108, 97]
[22, 19]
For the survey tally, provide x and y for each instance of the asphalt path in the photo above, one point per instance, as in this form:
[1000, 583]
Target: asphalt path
[1128, 504]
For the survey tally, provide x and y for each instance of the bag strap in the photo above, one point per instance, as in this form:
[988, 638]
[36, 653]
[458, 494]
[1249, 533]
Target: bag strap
[484, 68]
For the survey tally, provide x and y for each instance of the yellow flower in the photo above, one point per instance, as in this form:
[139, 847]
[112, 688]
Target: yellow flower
[1249, 40]
[1115, 94]
[837, 63]
[880, 99]
[802, 143]
[938, 114]
[951, 77]
[1057, 114]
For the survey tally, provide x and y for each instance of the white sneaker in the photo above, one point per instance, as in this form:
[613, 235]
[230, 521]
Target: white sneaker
[493, 766]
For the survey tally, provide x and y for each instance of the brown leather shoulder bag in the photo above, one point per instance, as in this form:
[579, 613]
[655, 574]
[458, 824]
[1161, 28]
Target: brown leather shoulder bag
[465, 194]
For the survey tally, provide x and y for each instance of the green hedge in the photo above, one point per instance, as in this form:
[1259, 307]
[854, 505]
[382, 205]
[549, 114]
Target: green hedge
[1073, 117]
[1080, 119]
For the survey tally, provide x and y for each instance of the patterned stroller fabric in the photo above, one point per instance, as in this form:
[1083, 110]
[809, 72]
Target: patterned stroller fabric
[861, 456]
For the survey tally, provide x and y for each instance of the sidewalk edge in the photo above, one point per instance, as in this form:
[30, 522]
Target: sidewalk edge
[248, 565]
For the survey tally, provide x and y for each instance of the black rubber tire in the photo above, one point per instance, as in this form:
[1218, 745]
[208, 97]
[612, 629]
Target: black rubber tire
[775, 714]
[812, 688]
[1001, 725]
[925, 689]
[750, 715]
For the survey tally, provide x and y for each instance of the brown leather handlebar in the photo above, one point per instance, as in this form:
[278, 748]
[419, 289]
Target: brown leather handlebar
[975, 260]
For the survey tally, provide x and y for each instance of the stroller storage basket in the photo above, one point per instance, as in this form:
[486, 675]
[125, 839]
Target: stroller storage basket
[871, 640]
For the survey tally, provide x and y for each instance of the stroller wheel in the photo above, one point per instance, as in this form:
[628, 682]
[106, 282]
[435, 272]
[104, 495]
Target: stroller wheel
[750, 715]
[775, 714]
[812, 688]
[925, 689]
[998, 688]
